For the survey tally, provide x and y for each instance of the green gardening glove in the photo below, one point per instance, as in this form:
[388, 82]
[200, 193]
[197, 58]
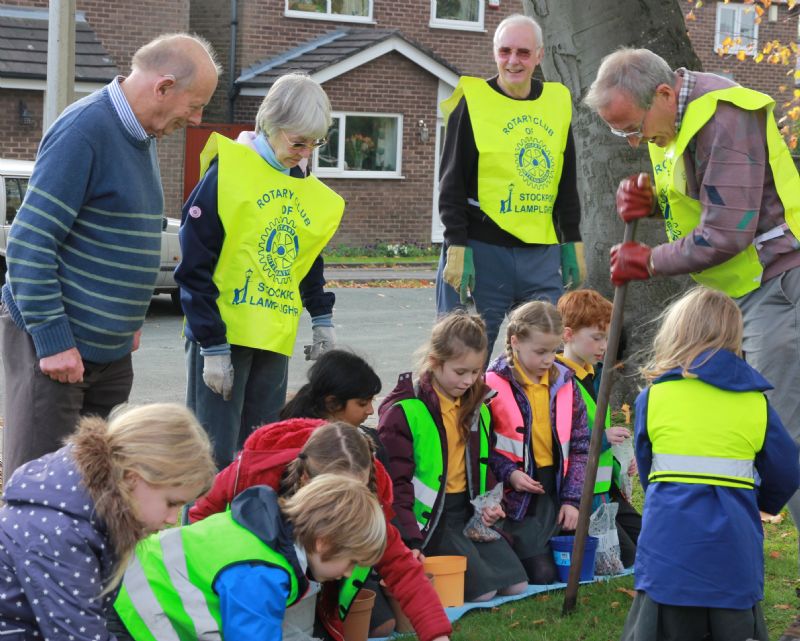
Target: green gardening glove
[573, 265]
[459, 271]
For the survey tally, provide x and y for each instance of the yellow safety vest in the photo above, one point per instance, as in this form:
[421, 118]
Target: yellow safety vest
[275, 227]
[521, 154]
[703, 434]
[742, 273]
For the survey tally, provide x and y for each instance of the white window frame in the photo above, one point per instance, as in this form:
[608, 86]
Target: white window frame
[339, 171]
[329, 15]
[460, 25]
[739, 10]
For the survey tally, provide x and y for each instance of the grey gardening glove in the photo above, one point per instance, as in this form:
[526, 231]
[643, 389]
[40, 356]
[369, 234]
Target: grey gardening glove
[322, 335]
[218, 374]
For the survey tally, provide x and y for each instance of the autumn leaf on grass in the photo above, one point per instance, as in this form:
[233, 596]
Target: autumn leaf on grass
[538, 622]
[514, 625]
[629, 592]
[774, 554]
[782, 606]
[614, 604]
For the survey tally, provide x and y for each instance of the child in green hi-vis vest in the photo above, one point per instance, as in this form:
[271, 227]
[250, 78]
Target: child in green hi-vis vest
[233, 574]
[437, 436]
[586, 316]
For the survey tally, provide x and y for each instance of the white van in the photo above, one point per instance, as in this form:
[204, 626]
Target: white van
[14, 176]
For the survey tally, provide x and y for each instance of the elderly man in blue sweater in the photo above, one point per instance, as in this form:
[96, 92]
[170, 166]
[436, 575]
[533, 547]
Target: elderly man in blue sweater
[84, 249]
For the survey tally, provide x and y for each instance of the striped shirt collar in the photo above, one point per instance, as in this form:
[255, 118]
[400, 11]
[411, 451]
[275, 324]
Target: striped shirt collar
[683, 95]
[124, 111]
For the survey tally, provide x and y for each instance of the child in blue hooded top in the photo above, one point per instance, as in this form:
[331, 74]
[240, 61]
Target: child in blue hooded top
[711, 454]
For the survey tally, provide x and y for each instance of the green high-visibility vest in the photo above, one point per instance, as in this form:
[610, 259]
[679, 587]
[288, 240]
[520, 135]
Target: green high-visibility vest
[704, 434]
[167, 593]
[350, 587]
[742, 273]
[429, 472]
[520, 154]
[605, 465]
[275, 227]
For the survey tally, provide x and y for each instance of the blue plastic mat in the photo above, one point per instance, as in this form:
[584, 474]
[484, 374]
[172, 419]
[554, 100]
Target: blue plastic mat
[456, 613]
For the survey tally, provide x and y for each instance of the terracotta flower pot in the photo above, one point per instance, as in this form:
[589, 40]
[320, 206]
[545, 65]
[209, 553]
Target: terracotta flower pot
[448, 578]
[356, 623]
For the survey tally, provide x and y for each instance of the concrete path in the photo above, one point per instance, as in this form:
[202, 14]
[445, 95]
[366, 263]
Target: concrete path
[384, 325]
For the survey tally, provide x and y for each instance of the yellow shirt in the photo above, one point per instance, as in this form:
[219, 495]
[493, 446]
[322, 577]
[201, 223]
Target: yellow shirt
[541, 431]
[581, 370]
[456, 446]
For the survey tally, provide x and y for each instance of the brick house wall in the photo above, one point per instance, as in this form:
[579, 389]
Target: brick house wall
[763, 76]
[122, 27]
[19, 141]
[390, 210]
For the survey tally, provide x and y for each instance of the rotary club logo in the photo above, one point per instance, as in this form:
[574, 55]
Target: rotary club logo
[278, 249]
[534, 162]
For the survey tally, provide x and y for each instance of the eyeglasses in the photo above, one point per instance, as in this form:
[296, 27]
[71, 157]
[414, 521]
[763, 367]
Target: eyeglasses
[522, 54]
[632, 134]
[299, 146]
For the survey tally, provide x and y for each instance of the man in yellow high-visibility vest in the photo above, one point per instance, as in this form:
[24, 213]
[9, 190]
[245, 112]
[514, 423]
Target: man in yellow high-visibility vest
[730, 196]
[508, 190]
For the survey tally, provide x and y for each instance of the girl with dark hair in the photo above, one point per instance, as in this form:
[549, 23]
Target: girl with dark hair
[341, 387]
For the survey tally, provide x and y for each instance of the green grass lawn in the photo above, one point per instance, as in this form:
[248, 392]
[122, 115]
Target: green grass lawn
[602, 607]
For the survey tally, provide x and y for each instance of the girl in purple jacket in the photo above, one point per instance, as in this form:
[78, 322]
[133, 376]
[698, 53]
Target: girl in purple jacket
[72, 518]
[541, 439]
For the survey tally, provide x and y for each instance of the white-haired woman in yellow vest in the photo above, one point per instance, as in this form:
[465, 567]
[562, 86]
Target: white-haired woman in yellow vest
[251, 236]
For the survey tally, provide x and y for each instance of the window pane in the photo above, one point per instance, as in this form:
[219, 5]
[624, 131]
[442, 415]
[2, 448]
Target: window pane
[318, 6]
[748, 29]
[466, 10]
[727, 22]
[328, 154]
[350, 7]
[15, 193]
[371, 143]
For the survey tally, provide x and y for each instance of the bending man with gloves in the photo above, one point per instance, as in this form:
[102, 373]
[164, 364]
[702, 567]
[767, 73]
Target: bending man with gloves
[730, 196]
[251, 237]
[508, 189]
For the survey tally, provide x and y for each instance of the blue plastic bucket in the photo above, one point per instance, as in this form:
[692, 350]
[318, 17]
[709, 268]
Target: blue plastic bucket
[562, 553]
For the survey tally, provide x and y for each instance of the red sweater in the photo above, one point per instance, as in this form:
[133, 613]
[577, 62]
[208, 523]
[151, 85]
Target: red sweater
[262, 461]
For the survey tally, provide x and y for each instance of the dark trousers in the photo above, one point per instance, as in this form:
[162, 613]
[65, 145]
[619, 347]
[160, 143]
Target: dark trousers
[40, 412]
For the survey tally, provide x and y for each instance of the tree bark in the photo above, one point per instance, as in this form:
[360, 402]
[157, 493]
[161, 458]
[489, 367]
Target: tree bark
[577, 35]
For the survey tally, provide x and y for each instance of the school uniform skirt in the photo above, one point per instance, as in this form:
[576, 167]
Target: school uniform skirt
[490, 566]
[532, 534]
[651, 621]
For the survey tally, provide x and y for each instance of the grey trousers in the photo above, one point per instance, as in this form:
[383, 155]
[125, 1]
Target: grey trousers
[40, 412]
[651, 621]
[772, 346]
[505, 277]
[260, 378]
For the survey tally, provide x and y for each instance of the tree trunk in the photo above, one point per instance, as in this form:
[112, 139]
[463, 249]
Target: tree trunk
[577, 35]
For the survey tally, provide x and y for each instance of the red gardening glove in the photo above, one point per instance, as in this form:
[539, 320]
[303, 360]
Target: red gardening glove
[629, 261]
[635, 198]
